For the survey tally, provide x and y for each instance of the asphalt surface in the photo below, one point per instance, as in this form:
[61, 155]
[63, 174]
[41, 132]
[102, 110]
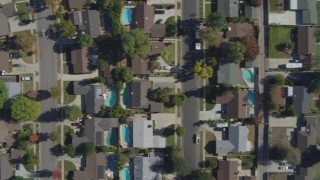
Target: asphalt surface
[190, 85]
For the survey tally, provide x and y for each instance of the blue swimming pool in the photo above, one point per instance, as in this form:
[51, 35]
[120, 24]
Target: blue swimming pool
[112, 99]
[250, 98]
[112, 165]
[126, 97]
[127, 16]
[248, 75]
[112, 137]
[125, 134]
[125, 173]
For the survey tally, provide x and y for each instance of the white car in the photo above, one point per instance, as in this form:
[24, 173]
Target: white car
[165, 67]
[198, 46]
[26, 78]
[283, 168]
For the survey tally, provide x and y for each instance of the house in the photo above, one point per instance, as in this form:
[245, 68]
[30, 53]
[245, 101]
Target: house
[307, 135]
[235, 104]
[306, 40]
[307, 8]
[94, 169]
[7, 130]
[4, 28]
[87, 21]
[94, 96]
[143, 136]
[148, 167]
[156, 49]
[308, 173]
[139, 92]
[302, 99]
[80, 60]
[239, 30]
[237, 141]
[249, 177]
[7, 10]
[77, 4]
[6, 171]
[14, 89]
[251, 12]
[230, 74]
[4, 61]
[230, 8]
[16, 155]
[144, 19]
[228, 170]
[141, 66]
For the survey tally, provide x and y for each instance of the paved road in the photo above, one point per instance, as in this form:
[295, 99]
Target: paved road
[48, 79]
[190, 112]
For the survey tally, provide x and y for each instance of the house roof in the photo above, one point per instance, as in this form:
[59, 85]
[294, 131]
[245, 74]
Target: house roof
[236, 104]
[148, 167]
[309, 11]
[4, 28]
[9, 9]
[139, 92]
[14, 88]
[155, 107]
[16, 154]
[94, 169]
[251, 12]
[75, 4]
[230, 74]
[80, 60]
[230, 8]
[302, 99]
[6, 171]
[87, 21]
[143, 136]
[4, 61]
[5, 127]
[224, 147]
[309, 61]
[158, 30]
[306, 173]
[308, 134]
[156, 48]
[238, 136]
[306, 40]
[228, 170]
[239, 30]
[141, 66]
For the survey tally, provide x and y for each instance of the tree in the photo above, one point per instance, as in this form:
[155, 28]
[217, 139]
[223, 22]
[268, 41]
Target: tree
[3, 94]
[181, 166]
[252, 47]
[170, 26]
[257, 120]
[255, 3]
[23, 135]
[315, 86]
[211, 61]
[70, 150]
[32, 94]
[18, 178]
[23, 16]
[24, 109]
[88, 148]
[200, 175]
[52, 3]
[217, 20]
[32, 159]
[293, 156]
[234, 52]
[181, 131]
[55, 92]
[67, 29]
[276, 80]
[211, 36]
[123, 74]
[73, 112]
[162, 94]
[56, 174]
[23, 145]
[122, 160]
[33, 138]
[285, 152]
[102, 64]
[114, 112]
[213, 163]
[84, 40]
[179, 99]
[154, 65]
[135, 43]
[202, 70]
[54, 137]
[25, 41]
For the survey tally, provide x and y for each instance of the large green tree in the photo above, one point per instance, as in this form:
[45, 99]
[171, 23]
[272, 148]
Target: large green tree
[179, 99]
[200, 175]
[88, 148]
[84, 40]
[102, 64]
[52, 3]
[170, 26]
[54, 136]
[123, 74]
[72, 112]
[211, 36]
[135, 43]
[24, 109]
[202, 70]
[217, 20]
[315, 86]
[234, 52]
[181, 131]
[276, 80]
[25, 41]
[252, 47]
[3, 94]
[67, 29]
[285, 152]
[70, 150]
[181, 166]
[162, 94]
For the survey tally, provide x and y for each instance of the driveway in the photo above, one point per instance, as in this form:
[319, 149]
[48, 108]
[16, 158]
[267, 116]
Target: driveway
[273, 63]
[25, 67]
[156, 85]
[212, 114]
[15, 27]
[283, 122]
[286, 18]
[161, 18]
[161, 2]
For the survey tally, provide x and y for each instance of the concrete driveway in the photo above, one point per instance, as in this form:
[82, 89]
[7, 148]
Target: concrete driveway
[212, 114]
[273, 63]
[283, 122]
[286, 18]
[161, 18]
[15, 27]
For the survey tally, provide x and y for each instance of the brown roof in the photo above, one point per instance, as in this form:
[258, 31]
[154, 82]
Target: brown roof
[236, 103]
[6, 170]
[158, 30]
[155, 107]
[4, 61]
[276, 96]
[308, 134]
[9, 9]
[79, 3]
[80, 60]
[5, 128]
[156, 48]
[94, 169]
[306, 40]
[309, 61]
[141, 67]
[139, 92]
[239, 30]
[228, 170]
[17, 154]
[4, 28]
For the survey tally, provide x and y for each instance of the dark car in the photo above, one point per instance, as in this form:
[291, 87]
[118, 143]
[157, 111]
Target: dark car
[159, 11]
[295, 61]
[78, 124]
[16, 65]
[18, 166]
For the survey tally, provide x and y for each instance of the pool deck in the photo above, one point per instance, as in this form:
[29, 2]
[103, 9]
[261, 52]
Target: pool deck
[249, 84]
[123, 144]
[121, 97]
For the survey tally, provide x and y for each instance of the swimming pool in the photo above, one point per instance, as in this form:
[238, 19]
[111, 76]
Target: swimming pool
[250, 98]
[126, 97]
[125, 173]
[112, 163]
[125, 134]
[112, 137]
[112, 98]
[127, 16]
[248, 75]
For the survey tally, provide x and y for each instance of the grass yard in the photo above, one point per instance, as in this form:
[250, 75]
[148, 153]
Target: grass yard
[170, 141]
[21, 6]
[275, 5]
[68, 95]
[252, 132]
[278, 35]
[277, 176]
[318, 54]
[209, 143]
[69, 167]
[168, 109]
[278, 135]
[170, 57]
[247, 162]
[208, 10]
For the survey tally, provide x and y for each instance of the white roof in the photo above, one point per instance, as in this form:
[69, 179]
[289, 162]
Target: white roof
[293, 4]
[290, 91]
[143, 135]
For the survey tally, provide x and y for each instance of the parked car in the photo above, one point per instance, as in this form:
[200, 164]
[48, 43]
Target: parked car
[165, 67]
[18, 166]
[196, 138]
[78, 156]
[159, 11]
[16, 65]
[283, 168]
[295, 61]
[281, 163]
[197, 34]
[76, 124]
[26, 78]
[198, 46]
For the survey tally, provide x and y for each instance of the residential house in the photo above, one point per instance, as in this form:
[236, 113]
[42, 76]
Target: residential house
[139, 93]
[309, 61]
[302, 99]
[306, 40]
[235, 104]
[308, 173]
[251, 12]
[230, 8]
[156, 49]
[4, 61]
[87, 21]
[143, 136]
[16, 155]
[230, 74]
[249, 177]
[6, 170]
[149, 167]
[80, 60]
[94, 96]
[77, 4]
[144, 18]
[239, 30]
[307, 9]
[228, 170]
[7, 10]
[7, 131]
[307, 135]
[94, 169]
[237, 141]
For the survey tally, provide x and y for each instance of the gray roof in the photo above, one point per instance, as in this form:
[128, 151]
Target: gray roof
[238, 136]
[4, 28]
[143, 135]
[13, 89]
[96, 129]
[307, 135]
[148, 168]
[73, 4]
[6, 171]
[95, 168]
[139, 92]
[9, 9]
[76, 140]
[223, 147]
[301, 99]
[88, 21]
[309, 11]
[251, 12]
[230, 8]
[230, 74]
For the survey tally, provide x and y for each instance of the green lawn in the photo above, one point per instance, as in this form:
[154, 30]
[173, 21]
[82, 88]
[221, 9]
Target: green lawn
[208, 10]
[68, 94]
[210, 138]
[251, 135]
[21, 6]
[29, 167]
[170, 49]
[275, 5]
[247, 162]
[278, 35]
[318, 55]
[168, 109]
[69, 167]
[170, 141]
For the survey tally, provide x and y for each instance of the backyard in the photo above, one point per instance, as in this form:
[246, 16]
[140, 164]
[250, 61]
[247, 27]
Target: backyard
[278, 35]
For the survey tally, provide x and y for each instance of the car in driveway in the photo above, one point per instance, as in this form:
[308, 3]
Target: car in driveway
[295, 61]
[165, 67]
[197, 34]
[26, 78]
[16, 65]
[77, 124]
[198, 46]
[196, 139]
[283, 167]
